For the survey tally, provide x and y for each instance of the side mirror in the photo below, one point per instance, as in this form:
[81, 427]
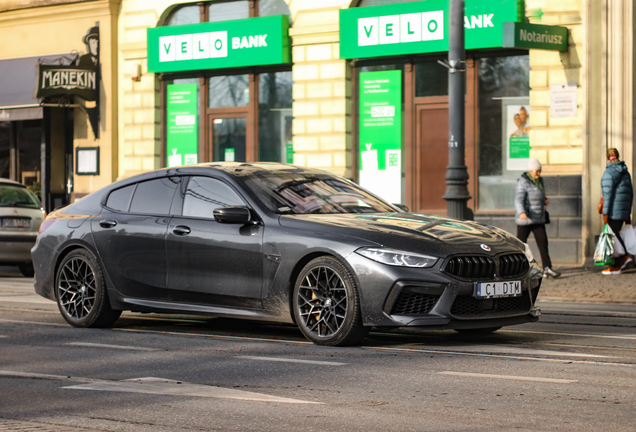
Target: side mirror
[402, 207]
[232, 215]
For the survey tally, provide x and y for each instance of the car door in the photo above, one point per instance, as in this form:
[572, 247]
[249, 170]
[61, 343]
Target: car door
[210, 261]
[130, 236]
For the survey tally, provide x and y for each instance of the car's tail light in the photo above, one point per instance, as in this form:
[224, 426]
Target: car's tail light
[44, 225]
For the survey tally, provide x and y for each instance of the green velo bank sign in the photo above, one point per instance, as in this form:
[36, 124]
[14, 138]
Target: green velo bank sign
[422, 27]
[237, 43]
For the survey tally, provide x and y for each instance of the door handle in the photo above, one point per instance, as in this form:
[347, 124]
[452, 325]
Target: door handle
[108, 223]
[181, 230]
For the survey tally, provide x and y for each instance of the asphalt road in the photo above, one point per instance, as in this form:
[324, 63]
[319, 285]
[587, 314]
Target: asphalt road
[575, 370]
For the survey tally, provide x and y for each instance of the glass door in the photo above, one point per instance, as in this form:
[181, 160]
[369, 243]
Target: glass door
[227, 139]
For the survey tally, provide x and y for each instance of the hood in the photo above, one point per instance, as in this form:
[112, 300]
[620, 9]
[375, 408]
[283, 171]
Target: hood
[409, 231]
[619, 166]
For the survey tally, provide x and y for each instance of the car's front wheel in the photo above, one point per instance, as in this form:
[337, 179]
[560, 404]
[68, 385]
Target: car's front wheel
[326, 304]
[80, 291]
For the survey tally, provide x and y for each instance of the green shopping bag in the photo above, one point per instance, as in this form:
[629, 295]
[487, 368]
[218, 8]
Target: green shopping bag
[604, 248]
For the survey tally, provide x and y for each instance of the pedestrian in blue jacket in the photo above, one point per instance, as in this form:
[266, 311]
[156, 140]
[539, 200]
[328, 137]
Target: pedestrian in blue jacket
[618, 196]
[530, 214]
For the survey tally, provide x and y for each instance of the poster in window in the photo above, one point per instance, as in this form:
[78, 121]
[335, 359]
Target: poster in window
[517, 136]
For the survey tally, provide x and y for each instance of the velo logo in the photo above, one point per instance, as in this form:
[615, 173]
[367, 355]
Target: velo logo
[193, 46]
[391, 29]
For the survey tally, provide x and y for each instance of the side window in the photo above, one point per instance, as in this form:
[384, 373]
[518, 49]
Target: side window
[119, 199]
[154, 196]
[204, 194]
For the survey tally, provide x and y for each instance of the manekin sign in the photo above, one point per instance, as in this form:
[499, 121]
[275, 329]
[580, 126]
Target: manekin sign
[56, 80]
[237, 43]
[422, 27]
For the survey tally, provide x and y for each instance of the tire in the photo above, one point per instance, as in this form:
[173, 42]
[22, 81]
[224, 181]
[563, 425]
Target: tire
[80, 291]
[478, 331]
[27, 270]
[326, 304]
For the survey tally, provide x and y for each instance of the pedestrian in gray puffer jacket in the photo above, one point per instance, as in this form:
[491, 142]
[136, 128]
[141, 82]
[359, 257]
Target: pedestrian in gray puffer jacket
[618, 196]
[530, 214]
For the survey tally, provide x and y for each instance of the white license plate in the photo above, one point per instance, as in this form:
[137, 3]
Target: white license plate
[15, 222]
[499, 289]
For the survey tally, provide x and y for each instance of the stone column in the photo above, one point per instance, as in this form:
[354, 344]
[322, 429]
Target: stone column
[322, 88]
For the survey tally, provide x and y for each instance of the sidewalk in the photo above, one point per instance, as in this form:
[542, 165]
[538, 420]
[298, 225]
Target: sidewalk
[587, 284]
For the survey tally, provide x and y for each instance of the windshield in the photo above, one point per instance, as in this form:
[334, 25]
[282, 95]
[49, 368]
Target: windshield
[16, 196]
[303, 193]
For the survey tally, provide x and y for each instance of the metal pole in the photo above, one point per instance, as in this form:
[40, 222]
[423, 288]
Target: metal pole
[456, 194]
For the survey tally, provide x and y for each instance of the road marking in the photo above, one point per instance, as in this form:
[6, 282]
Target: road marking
[151, 385]
[212, 336]
[464, 353]
[160, 386]
[17, 374]
[121, 347]
[598, 335]
[527, 351]
[288, 360]
[34, 322]
[509, 377]
[583, 312]
[33, 298]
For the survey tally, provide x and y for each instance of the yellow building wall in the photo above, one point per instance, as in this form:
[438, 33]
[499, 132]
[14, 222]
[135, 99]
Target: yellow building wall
[322, 89]
[139, 111]
[557, 142]
[52, 30]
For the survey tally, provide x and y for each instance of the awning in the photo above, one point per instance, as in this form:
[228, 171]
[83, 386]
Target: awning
[17, 85]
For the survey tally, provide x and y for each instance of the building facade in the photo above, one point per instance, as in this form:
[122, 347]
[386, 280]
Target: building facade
[317, 84]
[58, 136]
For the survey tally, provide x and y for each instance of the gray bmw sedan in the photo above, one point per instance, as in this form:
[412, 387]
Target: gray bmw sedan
[276, 242]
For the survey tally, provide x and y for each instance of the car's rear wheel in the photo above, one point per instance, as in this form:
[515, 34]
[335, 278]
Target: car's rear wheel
[326, 304]
[80, 291]
[26, 269]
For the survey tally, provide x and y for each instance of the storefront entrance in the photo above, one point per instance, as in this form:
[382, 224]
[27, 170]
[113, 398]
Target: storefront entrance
[227, 139]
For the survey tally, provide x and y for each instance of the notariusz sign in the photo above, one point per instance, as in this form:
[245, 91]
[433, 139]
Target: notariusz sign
[237, 43]
[422, 27]
[535, 36]
[55, 80]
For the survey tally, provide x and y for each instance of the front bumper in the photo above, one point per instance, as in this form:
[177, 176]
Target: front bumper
[429, 298]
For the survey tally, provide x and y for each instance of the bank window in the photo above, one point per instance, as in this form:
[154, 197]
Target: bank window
[504, 124]
[431, 79]
[230, 10]
[275, 117]
[242, 116]
[273, 7]
[185, 15]
[228, 91]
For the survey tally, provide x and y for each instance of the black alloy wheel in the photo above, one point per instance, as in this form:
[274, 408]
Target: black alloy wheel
[80, 291]
[326, 304]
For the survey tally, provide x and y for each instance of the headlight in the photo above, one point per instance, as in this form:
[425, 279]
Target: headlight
[528, 253]
[397, 258]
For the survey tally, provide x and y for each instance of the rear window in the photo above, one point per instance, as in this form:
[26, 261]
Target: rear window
[16, 196]
[120, 199]
[154, 196]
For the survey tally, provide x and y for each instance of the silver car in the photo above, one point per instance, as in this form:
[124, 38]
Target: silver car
[20, 217]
